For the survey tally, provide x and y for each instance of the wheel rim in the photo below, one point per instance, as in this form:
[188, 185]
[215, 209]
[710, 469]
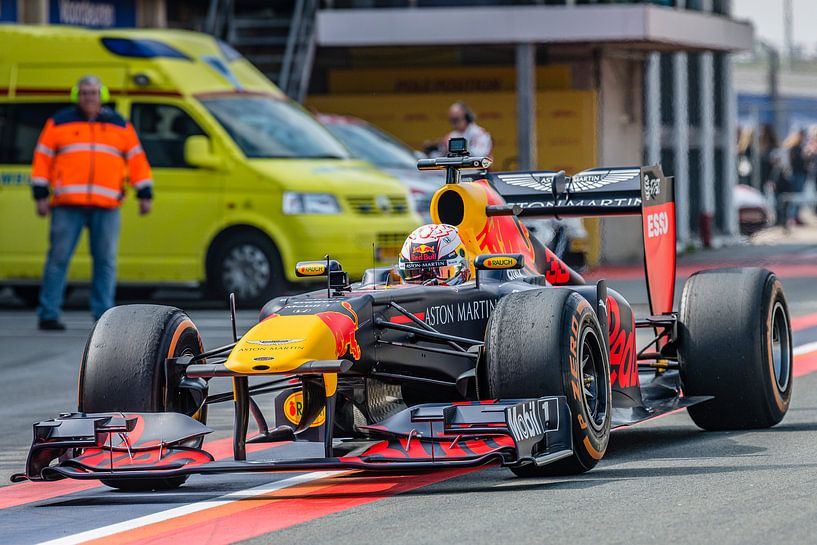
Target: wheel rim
[781, 347]
[246, 271]
[595, 385]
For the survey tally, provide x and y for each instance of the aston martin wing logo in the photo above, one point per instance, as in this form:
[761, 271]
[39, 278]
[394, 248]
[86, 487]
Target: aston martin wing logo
[538, 181]
[596, 179]
[587, 180]
[273, 342]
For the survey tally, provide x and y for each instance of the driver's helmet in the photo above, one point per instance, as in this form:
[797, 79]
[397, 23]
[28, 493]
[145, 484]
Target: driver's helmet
[434, 255]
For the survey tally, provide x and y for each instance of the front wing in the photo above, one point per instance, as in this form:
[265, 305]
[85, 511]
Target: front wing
[160, 445]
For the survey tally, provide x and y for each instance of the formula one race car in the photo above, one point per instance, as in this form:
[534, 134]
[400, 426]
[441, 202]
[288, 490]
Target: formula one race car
[479, 347]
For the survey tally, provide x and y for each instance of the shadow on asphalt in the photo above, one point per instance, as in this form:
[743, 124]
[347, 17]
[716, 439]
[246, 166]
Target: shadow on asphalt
[597, 477]
[632, 445]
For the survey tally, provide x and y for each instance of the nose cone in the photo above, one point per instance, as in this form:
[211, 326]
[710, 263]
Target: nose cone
[281, 344]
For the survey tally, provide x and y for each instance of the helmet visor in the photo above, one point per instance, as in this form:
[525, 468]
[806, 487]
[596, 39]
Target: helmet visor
[448, 273]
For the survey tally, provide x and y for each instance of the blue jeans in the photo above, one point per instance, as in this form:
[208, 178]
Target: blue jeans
[798, 181]
[103, 234]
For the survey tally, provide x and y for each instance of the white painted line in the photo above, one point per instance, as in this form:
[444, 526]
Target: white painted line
[805, 348]
[176, 512]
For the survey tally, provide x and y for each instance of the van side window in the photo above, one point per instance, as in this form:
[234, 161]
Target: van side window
[20, 127]
[163, 129]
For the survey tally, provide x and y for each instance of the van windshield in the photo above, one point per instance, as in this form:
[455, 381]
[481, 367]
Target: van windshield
[373, 145]
[267, 128]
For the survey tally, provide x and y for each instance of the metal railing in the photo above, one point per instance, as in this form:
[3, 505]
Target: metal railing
[299, 54]
[281, 45]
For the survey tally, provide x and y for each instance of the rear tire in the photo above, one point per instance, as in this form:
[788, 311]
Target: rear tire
[123, 369]
[736, 346]
[245, 263]
[549, 342]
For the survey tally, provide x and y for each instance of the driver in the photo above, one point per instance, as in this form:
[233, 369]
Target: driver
[434, 255]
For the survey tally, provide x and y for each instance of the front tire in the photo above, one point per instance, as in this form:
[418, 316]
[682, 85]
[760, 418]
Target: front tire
[549, 342]
[736, 346]
[123, 369]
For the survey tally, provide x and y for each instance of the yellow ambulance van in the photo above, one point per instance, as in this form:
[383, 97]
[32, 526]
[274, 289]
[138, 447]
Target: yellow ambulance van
[247, 183]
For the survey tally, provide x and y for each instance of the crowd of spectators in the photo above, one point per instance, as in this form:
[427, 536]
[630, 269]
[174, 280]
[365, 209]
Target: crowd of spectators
[780, 169]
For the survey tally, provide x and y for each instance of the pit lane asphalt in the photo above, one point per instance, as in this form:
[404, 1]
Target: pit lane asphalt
[660, 481]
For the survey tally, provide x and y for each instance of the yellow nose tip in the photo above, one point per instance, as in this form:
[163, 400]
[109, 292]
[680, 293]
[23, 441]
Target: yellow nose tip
[281, 344]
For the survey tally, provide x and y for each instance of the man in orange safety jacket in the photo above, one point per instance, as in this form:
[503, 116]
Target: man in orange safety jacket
[80, 161]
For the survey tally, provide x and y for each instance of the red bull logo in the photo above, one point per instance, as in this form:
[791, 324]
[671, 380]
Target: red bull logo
[424, 252]
[343, 326]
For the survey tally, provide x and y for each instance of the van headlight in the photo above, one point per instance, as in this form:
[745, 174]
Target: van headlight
[310, 203]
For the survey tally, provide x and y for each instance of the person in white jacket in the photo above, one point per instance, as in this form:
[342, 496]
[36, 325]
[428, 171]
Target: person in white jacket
[463, 123]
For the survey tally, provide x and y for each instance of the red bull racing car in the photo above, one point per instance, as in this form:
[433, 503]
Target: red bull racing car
[479, 347]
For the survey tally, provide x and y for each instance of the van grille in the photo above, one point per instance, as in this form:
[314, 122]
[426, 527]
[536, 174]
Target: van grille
[368, 205]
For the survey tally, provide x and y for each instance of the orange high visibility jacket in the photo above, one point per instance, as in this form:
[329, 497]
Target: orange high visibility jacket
[83, 163]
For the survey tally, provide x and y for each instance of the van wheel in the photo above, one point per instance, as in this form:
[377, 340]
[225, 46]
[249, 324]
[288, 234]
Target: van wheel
[247, 264]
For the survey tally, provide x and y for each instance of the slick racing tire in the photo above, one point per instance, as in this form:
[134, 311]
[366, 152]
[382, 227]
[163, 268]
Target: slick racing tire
[549, 342]
[735, 344]
[245, 263]
[123, 369]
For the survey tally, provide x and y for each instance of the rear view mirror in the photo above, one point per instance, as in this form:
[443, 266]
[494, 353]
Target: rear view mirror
[198, 153]
[499, 262]
[305, 269]
[337, 278]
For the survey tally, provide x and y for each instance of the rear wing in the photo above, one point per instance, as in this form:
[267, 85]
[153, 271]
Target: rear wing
[593, 192]
[618, 191]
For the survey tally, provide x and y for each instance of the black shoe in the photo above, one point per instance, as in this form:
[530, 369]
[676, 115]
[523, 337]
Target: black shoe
[52, 325]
